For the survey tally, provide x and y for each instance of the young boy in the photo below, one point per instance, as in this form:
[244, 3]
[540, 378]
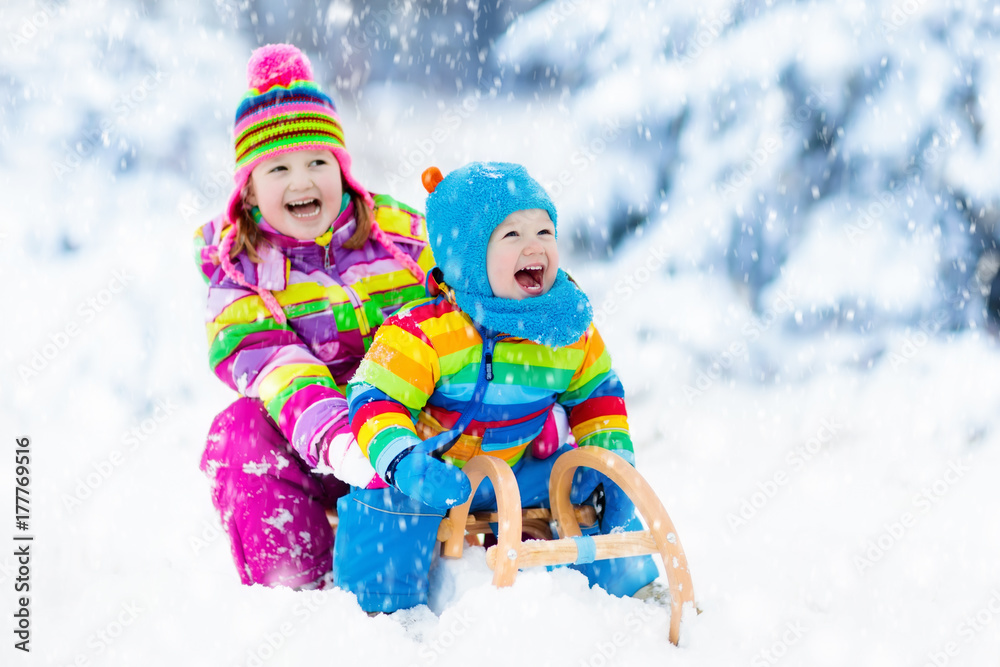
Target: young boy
[476, 369]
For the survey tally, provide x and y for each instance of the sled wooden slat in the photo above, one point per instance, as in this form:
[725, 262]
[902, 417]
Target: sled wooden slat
[560, 552]
[534, 521]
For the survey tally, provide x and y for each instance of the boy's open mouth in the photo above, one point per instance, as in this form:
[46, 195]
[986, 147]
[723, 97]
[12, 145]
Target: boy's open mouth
[305, 208]
[530, 278]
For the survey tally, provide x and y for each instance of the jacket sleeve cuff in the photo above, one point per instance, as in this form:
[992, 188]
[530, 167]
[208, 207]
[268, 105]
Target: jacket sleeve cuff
[322, 419]
[626, 454]
[341, 456]
[391, 451]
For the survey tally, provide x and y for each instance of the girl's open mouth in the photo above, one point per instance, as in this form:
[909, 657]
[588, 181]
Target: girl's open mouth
[306, 208]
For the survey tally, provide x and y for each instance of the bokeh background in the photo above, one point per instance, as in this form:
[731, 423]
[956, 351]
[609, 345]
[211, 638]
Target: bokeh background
[785, 214]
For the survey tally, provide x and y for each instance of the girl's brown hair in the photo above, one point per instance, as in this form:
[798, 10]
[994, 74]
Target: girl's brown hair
[249, 237]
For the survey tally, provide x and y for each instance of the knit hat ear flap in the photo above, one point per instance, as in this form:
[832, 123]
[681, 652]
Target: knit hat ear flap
[234, 274]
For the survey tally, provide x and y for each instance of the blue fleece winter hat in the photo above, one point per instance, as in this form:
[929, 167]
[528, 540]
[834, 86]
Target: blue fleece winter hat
[463, 209]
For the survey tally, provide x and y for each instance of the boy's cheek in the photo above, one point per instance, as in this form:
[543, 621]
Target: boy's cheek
[553, 274]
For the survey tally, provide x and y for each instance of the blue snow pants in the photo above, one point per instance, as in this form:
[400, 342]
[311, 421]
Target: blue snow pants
[386, 540]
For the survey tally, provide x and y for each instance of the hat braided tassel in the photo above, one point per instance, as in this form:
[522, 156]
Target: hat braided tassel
[234, 274]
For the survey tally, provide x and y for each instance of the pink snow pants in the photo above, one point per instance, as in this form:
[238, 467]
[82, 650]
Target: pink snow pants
[273, 506]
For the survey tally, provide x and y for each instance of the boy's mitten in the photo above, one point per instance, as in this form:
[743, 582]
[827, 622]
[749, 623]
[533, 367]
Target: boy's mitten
[615, 510]
[586, 480]
[433, 482]
[618, 511]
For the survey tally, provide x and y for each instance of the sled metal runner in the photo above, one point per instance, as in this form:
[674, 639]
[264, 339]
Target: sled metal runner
[511, 554]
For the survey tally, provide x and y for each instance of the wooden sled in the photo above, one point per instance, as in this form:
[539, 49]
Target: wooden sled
[513, 522]
[511, 554]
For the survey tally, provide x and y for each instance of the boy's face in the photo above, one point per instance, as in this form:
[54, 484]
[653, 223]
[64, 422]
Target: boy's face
[298, 193]
[522, 259]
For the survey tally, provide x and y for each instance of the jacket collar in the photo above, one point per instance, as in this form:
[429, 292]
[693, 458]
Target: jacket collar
[272, 272]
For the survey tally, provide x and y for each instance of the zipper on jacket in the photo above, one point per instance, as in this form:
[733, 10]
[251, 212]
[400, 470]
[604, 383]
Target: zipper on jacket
[364, 326]
[489, 343]
[488, 357]
[442, 442]
[359, 310]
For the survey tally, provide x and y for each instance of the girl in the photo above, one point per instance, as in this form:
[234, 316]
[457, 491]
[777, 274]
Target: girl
[302, 268]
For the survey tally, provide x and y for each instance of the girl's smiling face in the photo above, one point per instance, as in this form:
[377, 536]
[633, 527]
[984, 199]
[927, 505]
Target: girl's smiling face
[298, 193]
[522, 260]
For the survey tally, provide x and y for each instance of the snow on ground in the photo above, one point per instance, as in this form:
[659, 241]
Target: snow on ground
[850, 519]
[834, 492]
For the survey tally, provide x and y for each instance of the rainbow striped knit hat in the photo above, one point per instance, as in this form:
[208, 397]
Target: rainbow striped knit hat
[285, 111]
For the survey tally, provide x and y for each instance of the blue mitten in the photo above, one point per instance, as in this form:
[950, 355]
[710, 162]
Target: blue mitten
[586, 480]
[619, 511]
[433, 482]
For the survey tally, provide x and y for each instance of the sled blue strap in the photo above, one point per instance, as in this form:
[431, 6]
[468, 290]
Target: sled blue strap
[586, 550]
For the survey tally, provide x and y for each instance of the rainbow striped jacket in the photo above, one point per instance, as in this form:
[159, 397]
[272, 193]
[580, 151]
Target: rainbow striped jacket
[419, 375]
[334, 299]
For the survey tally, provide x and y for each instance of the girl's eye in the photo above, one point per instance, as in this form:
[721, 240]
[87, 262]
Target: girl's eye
[278, 168]
[317, 163]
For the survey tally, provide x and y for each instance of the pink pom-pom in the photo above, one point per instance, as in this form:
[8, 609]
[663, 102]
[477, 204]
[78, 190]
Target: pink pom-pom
[277, 65]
